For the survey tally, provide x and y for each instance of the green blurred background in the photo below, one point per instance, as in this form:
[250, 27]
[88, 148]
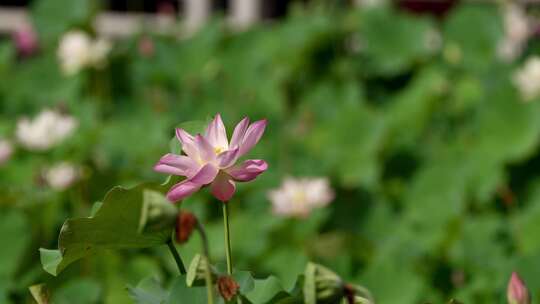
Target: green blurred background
[416, 118]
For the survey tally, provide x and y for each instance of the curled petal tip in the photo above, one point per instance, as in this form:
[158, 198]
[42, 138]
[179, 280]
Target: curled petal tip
[252, 136]
[245, 121]
[166, 157]
[162, 168]
[239, 132]
[261, 123]
[263, 165]
[249, 170]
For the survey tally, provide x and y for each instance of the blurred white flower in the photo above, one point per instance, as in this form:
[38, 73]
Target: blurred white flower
[517, 32]
[46, 130]
[77, 50]
[99, 51]
[74, 51]
[6, 150]
[61, 176]
[433, 40]
[370, 3]
[527, 79]
[298, 196]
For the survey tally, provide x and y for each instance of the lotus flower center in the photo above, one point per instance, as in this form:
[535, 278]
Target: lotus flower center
[218, 150]
[299, 198]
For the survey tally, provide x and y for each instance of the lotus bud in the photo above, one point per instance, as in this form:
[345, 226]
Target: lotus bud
[185, 224]
[40, 293]
[349, 294]
[362, 300]
[517, 292]
[228, 288]
[355, 294]
[157, 212]
[322, 285]
[197, 270]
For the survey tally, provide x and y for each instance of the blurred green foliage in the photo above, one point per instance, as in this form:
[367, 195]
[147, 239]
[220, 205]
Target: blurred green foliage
[433, 154]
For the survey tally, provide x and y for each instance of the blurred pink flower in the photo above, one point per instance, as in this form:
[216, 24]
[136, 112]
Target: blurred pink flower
[26, 41]
[210, 159]
[518, 29]
[6, 150]
[298, 196]
[61, 176]
[46, 130]
[146, 46]
[517, 292]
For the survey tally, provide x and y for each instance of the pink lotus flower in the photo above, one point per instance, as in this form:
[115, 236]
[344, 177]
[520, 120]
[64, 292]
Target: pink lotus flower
[210, 159]
[517, 292]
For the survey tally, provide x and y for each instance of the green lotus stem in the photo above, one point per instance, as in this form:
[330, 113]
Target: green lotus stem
[208, 279]
[207, 273]
[177, 257]
[227, 237]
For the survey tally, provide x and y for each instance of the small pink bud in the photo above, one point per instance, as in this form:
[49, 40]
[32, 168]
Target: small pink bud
[26, 41]
[517, 292]
[146, 46]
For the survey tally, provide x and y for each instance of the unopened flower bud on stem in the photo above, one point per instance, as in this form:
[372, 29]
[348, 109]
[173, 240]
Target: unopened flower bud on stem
[228, 288]
[322, 285]
[517, 292]
[185, 224]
